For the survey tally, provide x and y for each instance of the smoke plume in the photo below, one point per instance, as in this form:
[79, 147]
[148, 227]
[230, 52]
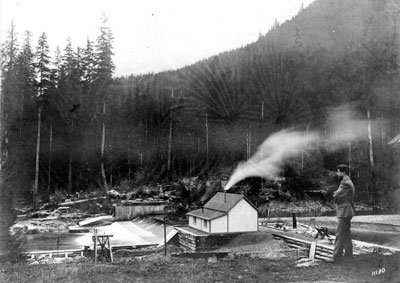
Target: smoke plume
[342, 128]
[270, 156]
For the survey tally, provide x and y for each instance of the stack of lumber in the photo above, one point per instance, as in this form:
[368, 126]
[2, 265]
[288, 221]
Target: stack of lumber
[323, 249]
[316, 250]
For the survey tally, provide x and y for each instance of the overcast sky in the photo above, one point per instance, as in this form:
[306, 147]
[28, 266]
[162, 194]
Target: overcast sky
[149, 35]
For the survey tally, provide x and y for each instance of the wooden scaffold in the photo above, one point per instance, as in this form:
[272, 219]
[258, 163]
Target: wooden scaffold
[102, 247]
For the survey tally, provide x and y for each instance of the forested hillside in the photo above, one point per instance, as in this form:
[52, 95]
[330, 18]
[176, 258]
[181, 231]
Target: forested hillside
[69, 125]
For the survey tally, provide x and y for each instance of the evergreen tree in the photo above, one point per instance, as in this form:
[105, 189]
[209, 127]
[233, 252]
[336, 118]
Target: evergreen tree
[103, 82]
[26, 74]
[42, 66]
[104, 64]
[9, 50]
[57, 70]
[88, 66]
[43, 75]
[26, 103]
[8, 156]
[69, 102]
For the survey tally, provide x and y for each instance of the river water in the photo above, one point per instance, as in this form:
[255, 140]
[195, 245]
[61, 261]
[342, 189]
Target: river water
[124, 233]
[55, 241]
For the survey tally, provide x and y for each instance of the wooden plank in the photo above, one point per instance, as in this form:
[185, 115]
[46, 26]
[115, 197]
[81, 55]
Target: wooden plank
[323, 257]
[324, 251]
[82, 200]
[95, 248]
[370, 245]
[323, 254]
[313, 246]
[296, 246]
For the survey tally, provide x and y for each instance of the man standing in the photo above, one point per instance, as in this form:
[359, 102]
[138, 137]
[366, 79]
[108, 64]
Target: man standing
[343, 197]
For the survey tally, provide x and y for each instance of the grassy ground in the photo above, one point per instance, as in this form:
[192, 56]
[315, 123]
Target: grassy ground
[157, 268]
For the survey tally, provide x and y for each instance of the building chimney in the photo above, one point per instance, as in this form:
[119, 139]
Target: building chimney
[225, 196]
[202, 209]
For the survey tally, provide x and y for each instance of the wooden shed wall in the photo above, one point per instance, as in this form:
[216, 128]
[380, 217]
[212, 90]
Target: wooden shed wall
[133, 211]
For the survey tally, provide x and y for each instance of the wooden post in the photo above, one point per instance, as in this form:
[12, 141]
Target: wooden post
[313, 249]
[294, 220]
[95, 246]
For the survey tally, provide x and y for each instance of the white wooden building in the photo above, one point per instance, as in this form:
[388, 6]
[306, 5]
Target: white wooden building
[225, 213]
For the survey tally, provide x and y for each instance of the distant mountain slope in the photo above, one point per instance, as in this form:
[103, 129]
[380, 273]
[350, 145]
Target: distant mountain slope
[335, 25]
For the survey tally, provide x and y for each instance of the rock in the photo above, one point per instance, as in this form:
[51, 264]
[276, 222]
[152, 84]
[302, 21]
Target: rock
[34, 263]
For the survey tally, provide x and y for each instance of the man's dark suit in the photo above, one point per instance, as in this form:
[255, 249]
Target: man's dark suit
[344, 211]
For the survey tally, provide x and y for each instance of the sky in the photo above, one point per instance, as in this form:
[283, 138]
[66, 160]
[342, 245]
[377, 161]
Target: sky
[149, 35]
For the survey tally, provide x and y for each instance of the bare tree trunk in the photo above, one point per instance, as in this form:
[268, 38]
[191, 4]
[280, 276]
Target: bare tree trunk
[2, 137]
[371, 153]
[207, 139]
[111, 176]
[350, 157]
[69, 174]
[50, 156]
[140, 152]
[302, 160]
[36, 186]
[129, 158]
[103, 140]
[371, 157]
[262, 110]
[247, 145]
[383, 134]
[70, 158]
[169, 146]
[326, 139]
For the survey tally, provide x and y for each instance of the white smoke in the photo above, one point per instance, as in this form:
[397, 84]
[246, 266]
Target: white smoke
[342, 129]
[270, 156]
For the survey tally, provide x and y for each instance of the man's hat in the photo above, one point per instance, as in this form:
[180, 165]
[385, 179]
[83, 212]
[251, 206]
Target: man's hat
[343, 168]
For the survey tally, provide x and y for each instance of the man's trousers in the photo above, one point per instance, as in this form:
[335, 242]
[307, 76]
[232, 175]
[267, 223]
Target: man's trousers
[343, 240]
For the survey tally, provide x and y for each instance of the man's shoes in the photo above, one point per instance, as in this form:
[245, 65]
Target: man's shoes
[336, 260]
[341, 260]
[347, 259]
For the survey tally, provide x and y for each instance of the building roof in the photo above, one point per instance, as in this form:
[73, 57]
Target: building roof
[207, 214]
[220, 204]
[225, 201]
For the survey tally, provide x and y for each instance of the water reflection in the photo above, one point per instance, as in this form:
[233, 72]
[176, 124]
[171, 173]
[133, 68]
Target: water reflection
[56, 241]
